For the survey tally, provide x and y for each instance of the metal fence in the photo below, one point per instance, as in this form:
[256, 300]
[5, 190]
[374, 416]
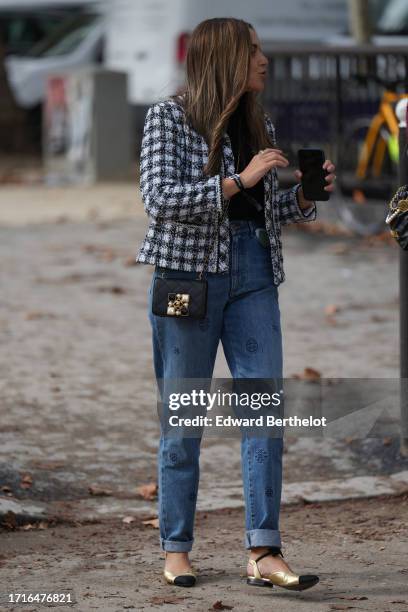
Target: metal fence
[314, 93]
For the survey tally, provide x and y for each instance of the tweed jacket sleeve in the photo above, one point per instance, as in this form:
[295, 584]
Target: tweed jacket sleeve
[166, 194]
[287, 199]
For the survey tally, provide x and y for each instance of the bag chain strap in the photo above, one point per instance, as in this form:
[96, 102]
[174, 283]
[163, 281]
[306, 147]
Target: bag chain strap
[399, 203]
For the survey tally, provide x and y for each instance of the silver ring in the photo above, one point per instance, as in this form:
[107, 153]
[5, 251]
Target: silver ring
[261, 151]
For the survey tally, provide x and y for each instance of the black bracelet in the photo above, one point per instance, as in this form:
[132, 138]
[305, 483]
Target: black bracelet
[237, 180]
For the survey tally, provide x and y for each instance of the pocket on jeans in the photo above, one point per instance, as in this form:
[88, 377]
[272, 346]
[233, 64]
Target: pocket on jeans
[262, 237]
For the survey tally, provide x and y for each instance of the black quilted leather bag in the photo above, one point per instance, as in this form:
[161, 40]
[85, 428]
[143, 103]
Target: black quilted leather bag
[397, 218]
[180, 297]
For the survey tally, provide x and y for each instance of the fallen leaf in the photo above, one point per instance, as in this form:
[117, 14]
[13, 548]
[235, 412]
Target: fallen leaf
[47, 465]
[115, 289]
[61, 219]
[108, 255]
[308, 374]
[340, 248]
[42, 525]
[89, 248]
[321, 227]
[218, 605]
[148, 491]
[331, 309]
[384, 238]
[378, 319]
[105, 253]
[93, 213]
[99, 491]
[128, 519]
[130, 261]
[311, 374]
[152, 522]
[32, 315]
[102, 225]
[26, 481]
[9, 520]
[166, 600]
[358, 597]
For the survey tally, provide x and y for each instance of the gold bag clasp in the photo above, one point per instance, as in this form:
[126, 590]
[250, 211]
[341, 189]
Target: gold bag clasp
[178, 304]
[403, 205]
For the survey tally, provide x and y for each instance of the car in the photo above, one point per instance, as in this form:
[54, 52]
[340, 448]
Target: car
[78, 42]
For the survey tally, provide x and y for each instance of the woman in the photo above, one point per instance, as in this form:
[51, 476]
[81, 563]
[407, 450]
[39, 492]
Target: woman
[198, 150]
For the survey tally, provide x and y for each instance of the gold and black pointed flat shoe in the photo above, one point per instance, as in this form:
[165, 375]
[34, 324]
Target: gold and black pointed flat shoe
[286, 580]
[188, 579]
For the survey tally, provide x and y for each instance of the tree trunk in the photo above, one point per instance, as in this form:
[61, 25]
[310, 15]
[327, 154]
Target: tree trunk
[360, 23]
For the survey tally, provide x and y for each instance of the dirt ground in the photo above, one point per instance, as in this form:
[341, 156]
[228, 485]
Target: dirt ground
[77, 383]
[358, 548]
[78, 410]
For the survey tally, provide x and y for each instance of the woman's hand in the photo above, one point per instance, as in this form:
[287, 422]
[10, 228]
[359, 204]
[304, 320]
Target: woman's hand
[330, 178]
[260, 164]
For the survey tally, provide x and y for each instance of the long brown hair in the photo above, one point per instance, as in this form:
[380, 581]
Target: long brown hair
[217, 67]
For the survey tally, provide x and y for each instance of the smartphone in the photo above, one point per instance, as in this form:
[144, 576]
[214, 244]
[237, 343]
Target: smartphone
[313, 180]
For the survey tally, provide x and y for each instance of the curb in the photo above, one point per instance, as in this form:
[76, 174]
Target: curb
[316, 491]
[20, 513]
[111, 508]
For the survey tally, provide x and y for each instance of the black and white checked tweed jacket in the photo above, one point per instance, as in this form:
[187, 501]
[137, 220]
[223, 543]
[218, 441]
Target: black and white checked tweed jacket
[184, 205]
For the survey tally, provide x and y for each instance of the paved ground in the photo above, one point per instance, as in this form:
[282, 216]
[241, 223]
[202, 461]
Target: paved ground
[78, 403]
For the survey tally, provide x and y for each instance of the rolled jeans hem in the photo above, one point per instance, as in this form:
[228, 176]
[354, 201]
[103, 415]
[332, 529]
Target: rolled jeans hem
[173, 546]
[262, 537]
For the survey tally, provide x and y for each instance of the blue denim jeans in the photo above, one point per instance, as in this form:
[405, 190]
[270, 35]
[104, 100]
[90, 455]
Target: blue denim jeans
[243, 312]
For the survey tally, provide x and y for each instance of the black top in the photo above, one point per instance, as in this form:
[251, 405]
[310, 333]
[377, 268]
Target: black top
[239, 207]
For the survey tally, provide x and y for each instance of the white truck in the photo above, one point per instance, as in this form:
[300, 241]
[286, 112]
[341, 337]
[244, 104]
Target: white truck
[148, 39]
